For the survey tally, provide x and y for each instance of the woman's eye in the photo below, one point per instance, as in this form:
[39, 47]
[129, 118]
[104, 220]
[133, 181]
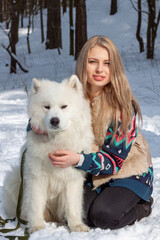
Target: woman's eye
[107, 63]
[63, 106]
[91, 61]
[47, 107]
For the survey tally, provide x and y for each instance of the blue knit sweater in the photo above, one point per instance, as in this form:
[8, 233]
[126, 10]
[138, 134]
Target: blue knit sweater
[110, 158]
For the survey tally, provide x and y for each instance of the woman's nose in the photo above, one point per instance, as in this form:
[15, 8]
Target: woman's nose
[99, 67]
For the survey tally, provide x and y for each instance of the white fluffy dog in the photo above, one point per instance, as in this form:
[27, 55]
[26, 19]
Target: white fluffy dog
[62, 114]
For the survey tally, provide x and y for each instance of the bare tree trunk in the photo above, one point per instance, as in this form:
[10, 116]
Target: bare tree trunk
[71, 28]
[14, 12]
[113, 7]
[64, 4]
[53, 25]
[81, 26]
[6, 14]
[28, 33]
[31, 6]
[32, 12]
[1, 11]
[41, 19]
[44, 3]
[152, 28]
[151, 18]
[23, 5]
[139, 38]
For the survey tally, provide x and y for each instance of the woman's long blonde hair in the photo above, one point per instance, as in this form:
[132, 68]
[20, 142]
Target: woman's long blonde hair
[117, 94]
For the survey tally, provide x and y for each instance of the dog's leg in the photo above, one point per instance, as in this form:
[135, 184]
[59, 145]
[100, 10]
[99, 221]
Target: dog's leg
[10, 191]
[34, 201]
[74, 206]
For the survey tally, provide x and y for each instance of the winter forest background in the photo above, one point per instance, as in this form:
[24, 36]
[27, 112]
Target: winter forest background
[42, 39]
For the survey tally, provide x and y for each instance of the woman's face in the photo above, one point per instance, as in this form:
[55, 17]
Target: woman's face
[98, 69]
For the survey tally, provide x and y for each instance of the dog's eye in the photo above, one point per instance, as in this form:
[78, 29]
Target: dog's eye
[47, 107]
[63, 106]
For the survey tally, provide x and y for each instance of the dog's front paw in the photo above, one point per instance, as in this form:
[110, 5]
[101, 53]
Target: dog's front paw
[36, 228]
[80, 228]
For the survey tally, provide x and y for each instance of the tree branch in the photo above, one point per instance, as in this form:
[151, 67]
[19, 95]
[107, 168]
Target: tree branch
[15, 58]
[138, 9]
[4, 31]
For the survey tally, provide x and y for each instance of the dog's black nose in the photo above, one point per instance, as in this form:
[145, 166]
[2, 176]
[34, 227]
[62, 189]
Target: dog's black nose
[54, 121]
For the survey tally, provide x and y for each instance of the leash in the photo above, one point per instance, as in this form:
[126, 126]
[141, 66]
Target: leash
[18, 211]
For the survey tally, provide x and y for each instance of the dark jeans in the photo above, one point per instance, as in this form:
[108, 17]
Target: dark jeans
[113, 208]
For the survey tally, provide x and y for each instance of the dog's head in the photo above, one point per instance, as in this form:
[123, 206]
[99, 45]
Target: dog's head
[53, 106]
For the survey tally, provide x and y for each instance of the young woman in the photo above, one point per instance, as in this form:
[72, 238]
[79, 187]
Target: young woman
[116, 200]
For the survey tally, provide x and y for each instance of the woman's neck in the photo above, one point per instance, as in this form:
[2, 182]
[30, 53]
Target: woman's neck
[94, 93]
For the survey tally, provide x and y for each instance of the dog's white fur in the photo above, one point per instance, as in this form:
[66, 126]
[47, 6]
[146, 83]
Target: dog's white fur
[60, 190]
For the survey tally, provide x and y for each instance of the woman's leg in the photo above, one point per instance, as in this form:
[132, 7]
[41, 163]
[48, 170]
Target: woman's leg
[89, 197]
[113, 208]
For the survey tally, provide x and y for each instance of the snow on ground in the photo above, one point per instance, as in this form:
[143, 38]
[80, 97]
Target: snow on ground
[144, 78]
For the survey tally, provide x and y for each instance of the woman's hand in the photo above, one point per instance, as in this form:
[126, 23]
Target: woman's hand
[64, 158]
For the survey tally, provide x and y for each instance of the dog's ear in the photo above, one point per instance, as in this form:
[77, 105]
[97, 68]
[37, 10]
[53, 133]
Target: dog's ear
[35, 85]
[74, 83]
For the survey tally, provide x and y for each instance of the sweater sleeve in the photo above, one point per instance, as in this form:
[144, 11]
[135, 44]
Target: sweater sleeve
[110, 158]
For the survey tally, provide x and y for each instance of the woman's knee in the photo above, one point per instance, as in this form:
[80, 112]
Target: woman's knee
[104, 217]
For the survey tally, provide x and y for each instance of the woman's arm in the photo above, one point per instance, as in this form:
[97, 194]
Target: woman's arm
[105, 162]
[110, 158]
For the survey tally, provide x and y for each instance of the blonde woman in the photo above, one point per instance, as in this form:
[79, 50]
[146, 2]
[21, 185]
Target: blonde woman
[119, 185]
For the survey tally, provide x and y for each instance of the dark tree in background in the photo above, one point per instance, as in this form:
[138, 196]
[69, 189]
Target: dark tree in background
[30, 9]
[81, 26]
[152, 28]
[64, 5]
[113, 7]
[22, 10]
[53, 25]
[41, 20]
[45, 3]
[14, 14]
[1, 12]
[5, 12]
[71, 52]
[138, 36]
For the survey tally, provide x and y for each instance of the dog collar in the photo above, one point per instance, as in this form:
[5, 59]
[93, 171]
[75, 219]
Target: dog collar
[38, 131]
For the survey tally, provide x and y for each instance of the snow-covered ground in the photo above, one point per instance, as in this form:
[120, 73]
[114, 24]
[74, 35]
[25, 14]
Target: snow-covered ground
[144, 78]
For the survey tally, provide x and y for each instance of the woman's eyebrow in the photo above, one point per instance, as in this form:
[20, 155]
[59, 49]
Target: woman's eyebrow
[97, 59]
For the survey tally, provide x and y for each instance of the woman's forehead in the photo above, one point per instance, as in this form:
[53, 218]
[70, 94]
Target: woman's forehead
[98, 52]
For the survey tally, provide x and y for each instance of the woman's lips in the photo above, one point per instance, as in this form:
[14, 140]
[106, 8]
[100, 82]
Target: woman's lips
[98, 77]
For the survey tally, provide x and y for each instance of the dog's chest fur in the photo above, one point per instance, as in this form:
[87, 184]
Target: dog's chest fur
[38, 162]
